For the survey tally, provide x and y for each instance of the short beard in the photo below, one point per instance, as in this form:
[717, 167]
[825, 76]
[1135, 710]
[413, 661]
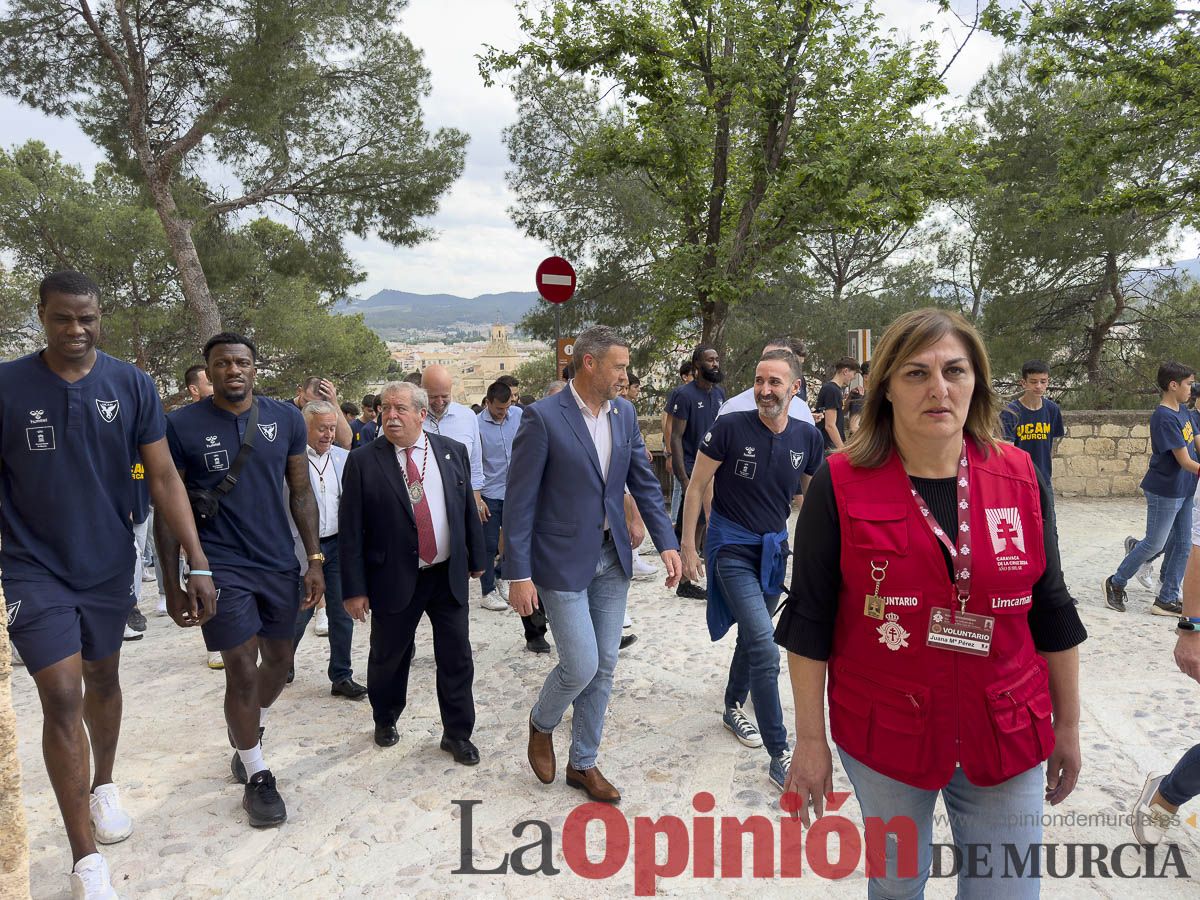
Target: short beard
[771, 411]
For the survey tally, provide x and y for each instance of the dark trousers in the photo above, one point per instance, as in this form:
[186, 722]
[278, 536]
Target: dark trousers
[535, 623]
[341, 626]
[392, 652]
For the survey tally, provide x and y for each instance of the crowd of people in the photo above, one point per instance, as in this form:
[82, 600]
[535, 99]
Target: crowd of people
[919, 496]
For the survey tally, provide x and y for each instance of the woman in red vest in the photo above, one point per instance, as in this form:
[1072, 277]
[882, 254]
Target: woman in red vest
[927, 591]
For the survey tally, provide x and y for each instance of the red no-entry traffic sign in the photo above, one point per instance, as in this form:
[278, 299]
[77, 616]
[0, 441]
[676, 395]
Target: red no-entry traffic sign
[555, 279]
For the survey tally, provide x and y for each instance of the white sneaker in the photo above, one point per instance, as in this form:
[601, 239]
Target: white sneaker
[111, 823]
[1151, 821]
[321, 628]
[148, 574]
[502, 589]
[628, 623]
[493, 602]
[161, 609]
[131, 635]
[215, 660]
[642, 570]
[90, 879]
[1145, 577]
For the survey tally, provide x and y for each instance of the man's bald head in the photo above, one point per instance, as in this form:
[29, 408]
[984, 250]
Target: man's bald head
[439, 386]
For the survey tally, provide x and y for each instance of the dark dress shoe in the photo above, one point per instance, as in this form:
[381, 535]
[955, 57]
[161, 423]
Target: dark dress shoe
[626, 640]
[537, 645]
[592, 783]
[462, 750]
[291, 675]
[348, 688]
[386, 735]
[541, 753]
[691, 591]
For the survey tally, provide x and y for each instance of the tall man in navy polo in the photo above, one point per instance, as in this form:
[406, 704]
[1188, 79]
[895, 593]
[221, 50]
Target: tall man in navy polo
[693, 412]
[569, 547]
[73, 422]
[249, 543]
[758, 463]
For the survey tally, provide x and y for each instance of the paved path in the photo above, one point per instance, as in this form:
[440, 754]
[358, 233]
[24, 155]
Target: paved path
[380, 823]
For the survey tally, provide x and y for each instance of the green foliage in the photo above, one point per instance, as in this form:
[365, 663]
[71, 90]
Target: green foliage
[537, 372]
[724, 132]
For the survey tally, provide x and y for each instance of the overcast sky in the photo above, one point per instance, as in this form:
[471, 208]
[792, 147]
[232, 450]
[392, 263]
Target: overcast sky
[477, 249]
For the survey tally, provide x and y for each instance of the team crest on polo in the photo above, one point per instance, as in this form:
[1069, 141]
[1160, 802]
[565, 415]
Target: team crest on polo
[1008, 537]
[269, 431]
[12, 612]
[108, 409]
[892, 633]
[797, 458]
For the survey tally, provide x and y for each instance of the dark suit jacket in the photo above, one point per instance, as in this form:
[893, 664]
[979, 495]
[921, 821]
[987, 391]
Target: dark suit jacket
[377, 533]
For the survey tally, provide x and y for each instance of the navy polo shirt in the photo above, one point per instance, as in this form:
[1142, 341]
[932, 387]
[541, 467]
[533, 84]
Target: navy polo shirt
[760, 471]
[67, 451]
[698, 408]
[252, 528]
[1034, 431]
[1170, 428]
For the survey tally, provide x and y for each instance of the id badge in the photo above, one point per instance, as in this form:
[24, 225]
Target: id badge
[962, 632]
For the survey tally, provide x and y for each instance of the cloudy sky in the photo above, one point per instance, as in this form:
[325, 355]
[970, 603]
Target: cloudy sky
[477, 249]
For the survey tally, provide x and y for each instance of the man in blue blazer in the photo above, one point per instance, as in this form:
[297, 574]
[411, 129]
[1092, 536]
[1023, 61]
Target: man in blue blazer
[567, 544]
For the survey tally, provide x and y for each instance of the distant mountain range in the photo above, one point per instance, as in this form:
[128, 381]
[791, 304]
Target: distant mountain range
[391, 312]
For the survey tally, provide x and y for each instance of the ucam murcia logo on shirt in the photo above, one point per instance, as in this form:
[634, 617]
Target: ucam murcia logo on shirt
[1008, 537]
[797, 458]
[269, 430]
[108, 409]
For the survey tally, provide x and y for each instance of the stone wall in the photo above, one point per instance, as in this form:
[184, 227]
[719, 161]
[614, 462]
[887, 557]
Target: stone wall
[14, 849]
[1104, 454]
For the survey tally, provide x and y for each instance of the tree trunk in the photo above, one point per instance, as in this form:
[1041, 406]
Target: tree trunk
[196, 295]
[1102, 324]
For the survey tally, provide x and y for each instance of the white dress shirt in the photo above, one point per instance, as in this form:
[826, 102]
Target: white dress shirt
[600, 428]
[435, 494]
[460, 424]
[744, 402]
[333, 462]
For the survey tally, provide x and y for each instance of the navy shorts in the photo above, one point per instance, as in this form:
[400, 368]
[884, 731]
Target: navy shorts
[252, 602]
[49, 621]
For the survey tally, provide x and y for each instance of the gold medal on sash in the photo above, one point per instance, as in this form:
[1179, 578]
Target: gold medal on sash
[874, 603]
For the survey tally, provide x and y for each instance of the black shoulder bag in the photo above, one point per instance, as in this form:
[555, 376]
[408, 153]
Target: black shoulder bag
[206, 502]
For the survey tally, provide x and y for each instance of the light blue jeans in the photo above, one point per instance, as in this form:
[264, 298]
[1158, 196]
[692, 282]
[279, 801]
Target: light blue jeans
[986, 817]
[1168, 528]
[676, 498]
[587, 629]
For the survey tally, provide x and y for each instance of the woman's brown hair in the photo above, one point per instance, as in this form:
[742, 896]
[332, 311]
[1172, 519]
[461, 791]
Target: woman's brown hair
[913, 332]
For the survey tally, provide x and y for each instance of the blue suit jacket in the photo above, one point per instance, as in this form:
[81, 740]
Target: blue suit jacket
[556, 498]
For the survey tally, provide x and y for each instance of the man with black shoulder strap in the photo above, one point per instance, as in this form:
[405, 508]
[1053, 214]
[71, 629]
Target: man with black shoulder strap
[235, 451]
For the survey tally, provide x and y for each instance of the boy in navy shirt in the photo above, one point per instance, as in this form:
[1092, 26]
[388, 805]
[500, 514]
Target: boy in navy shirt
[249, 542]
[1169, 485]
[73, 422]
[693, 412]
[758, 463]
[1033, 422]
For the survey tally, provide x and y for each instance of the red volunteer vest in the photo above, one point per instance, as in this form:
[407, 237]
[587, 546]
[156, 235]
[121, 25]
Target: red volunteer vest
[911, 711]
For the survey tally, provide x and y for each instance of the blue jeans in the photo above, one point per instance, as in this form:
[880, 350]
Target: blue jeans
[587, 629]
[491, 542]
[676, 498]
[341, 626]
[1184, 781]
[1009, 813]
[1168, 528]
[754, 670]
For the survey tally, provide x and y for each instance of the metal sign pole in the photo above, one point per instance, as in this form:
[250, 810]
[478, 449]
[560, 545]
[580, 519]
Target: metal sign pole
[557, 338]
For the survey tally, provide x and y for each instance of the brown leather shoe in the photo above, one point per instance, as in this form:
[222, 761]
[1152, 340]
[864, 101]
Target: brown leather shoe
[541, 753]
[593, 784]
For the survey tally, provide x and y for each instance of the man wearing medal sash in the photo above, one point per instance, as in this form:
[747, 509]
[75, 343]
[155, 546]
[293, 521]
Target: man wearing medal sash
[409, 536]
[927, 589]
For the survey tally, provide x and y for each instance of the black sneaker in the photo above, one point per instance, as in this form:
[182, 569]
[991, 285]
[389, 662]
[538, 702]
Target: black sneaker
[537, 645]
[136, 620]
[1114, 596]
[691, 591]
[262, 802]
[1165, 608]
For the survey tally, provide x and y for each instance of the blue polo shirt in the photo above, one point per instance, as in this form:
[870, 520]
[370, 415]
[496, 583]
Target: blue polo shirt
[495, 441]
[760, 471]
[1170, 428]
[67, 452]
[1034, 431]
[698, 408]
[252, 528]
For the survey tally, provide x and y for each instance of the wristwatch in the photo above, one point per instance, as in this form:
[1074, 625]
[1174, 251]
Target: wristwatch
[1188, 623]
[316, 557]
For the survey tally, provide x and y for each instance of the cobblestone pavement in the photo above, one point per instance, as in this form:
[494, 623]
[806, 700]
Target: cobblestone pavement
[371, 822]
